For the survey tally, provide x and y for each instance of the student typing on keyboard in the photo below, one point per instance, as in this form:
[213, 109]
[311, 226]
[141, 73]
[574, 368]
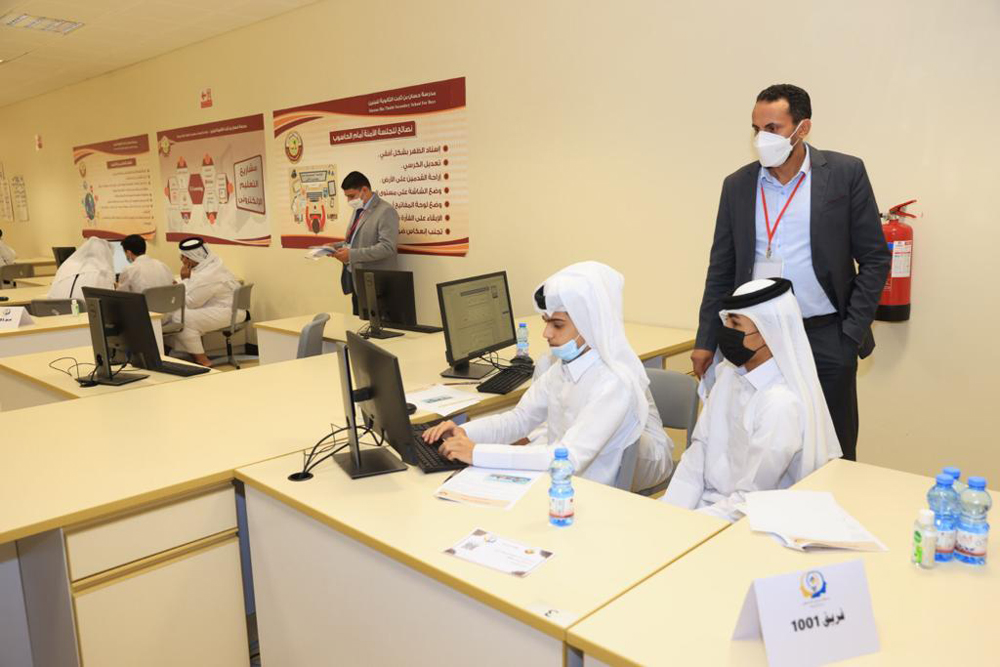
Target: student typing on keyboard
[594, 398]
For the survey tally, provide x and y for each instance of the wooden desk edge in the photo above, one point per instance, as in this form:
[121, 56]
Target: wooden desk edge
[533, 620]
[48, 386]
[61, 327]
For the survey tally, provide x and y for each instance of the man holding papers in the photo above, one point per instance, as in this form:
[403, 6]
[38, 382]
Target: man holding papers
[765, 424]
[594, 398]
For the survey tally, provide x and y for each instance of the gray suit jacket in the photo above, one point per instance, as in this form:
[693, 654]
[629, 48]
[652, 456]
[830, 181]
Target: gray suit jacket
[844, 228]
[373, 245]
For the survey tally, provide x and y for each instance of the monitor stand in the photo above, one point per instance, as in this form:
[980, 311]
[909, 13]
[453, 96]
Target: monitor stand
[119, 379]
[381, 334]
[376, 461]
[468, 371]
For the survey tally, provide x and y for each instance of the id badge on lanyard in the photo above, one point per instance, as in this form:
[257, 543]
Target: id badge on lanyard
[768, 267]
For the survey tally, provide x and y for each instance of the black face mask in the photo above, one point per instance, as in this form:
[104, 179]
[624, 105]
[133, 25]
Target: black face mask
[732, 347]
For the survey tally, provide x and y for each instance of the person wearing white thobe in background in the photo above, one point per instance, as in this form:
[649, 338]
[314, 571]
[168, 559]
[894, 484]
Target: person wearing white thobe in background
[91, 265]
[142, 271]
[7, 254]
[765, 424]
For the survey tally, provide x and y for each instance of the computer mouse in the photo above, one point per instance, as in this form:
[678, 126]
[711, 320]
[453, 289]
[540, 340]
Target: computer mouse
[410, 408]
[522, 361]
[4, 298]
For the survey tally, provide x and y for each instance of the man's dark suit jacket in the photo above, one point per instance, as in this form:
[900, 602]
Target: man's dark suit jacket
[844, 228]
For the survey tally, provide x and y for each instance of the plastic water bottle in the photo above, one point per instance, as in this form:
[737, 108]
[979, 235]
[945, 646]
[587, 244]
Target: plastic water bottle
[973, 531]
[944, 501]
[561, 490]
[924, 539]
[75, 306]
[956, 474]
[522, 340]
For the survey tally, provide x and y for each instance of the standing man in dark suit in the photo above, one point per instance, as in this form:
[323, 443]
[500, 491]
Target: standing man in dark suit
[806, 215]
[371, 237]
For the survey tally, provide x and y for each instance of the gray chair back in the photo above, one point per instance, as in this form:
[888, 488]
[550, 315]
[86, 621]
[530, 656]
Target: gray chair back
[167, 299]
[13, 272]
[626, 471]
[676, 398]
[48, 307]
[241, 301]
[311, 338]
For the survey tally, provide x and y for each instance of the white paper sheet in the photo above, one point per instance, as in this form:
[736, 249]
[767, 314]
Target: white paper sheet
[443, 400]
[801, 519]
[316, 252]
[488, 487]
[498, 553]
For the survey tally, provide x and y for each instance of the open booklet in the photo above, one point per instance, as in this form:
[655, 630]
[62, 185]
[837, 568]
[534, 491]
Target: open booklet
[804, 519]
[318, 251]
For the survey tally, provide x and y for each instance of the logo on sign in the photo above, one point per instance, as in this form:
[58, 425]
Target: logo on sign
[293, 147]
[813, 585]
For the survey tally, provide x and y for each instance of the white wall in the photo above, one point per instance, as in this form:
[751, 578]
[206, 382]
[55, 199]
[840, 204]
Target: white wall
[603, 131]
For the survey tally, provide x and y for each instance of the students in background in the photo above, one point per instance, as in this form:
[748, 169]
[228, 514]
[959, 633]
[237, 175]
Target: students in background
[92, 265]
[7, 254]
[594, 399]
[209, 292]
[765, 424]
[142, 272]
[370, 241]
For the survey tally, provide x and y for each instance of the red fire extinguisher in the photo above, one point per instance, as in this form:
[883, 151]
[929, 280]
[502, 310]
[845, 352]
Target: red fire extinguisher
[894, 306]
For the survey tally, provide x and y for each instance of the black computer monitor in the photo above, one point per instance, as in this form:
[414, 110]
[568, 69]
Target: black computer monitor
[358, 462]
[121, 332]
[477, 320]
[385, 298]
[62, 253]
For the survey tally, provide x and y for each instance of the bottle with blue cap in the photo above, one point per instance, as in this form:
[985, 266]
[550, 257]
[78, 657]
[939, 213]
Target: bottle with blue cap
[973, 530]
[522, 340]
[561, 489]
[943, 500]
[956, 474]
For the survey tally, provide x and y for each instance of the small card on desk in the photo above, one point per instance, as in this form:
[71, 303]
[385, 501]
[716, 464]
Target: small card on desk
[498, 553]
[812, 617]
[13, 317]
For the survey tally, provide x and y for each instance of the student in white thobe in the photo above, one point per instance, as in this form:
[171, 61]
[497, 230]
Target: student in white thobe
[7, 254]
[91, 265]
[142, 272]
[208, 299]
[594, 399]
[765, 424]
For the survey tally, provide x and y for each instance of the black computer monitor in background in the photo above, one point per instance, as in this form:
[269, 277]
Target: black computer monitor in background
[358, 462]
[120, 331]
[62, 253]
[385, 298]
[477, 320]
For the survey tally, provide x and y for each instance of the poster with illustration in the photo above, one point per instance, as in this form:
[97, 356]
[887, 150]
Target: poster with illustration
[412, 145]
[213, 181]
[116, 187]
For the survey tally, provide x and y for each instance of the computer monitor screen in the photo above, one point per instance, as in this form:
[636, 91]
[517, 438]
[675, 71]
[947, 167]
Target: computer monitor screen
[120, 331]
[62, 253]
[476, 316]
[393, 296]
[120, 260]
[376, 376]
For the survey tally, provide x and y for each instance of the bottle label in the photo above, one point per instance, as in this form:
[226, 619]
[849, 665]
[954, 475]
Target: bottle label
[945, 541]
[971, 544]
[560, 508]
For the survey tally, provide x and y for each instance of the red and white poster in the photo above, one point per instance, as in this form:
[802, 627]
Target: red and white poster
[412, 145]
[213, 181]
[116, 181]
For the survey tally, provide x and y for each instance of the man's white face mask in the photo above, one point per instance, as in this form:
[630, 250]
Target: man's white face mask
[774, 149]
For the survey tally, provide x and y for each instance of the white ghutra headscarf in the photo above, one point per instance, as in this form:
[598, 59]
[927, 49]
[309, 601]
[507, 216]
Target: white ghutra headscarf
[591, 294]
[91, 265]
[210, 268]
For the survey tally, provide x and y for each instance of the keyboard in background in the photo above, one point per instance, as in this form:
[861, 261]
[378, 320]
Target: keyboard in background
[183, 370]
[416, 328]
[506, 380]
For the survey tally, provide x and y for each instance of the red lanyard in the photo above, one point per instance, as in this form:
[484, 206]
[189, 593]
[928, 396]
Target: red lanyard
[771, 231]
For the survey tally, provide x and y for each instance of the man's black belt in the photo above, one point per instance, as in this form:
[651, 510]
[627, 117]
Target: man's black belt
[820, 321]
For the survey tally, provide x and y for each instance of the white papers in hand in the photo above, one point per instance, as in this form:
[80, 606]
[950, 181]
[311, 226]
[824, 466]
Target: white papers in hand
[801, 519]
[319, 251]
[501, 554]
[443, 400]
[488, 487]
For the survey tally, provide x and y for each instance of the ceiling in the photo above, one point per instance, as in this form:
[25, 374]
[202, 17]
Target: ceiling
[115, 34]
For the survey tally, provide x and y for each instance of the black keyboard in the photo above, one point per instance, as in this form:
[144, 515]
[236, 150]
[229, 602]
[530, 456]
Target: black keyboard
[184, 370]
[428, 458]
[506, 380]
[416, 328]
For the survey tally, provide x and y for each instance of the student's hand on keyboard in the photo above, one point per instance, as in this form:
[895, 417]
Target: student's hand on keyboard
[457, 448]
[445, 429]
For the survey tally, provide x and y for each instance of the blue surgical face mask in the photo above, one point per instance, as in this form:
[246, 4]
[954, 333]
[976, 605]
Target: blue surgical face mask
[567, 351]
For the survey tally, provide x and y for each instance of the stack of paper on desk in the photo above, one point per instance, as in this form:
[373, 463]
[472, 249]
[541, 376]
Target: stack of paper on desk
[801, 519]
[443, 400]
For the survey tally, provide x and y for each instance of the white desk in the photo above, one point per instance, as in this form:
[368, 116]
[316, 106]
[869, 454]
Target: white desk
[44, 266]
[23, 294]
[278, 340]
[354, 571]
[28, 380]
[36, 281]
[57, 332]
[685, 615]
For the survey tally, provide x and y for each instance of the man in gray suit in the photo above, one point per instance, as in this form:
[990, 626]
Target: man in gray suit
[371, 237]
[806, 215]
